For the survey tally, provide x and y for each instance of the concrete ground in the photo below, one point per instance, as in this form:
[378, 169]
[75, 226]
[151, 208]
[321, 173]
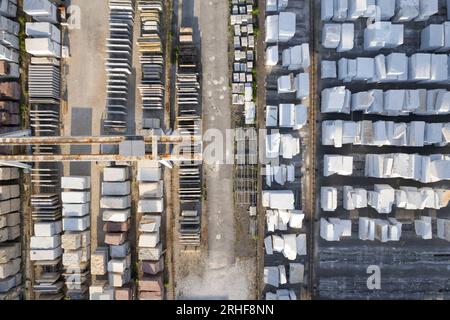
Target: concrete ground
[85, 94]
[85, 70]
[216, 272]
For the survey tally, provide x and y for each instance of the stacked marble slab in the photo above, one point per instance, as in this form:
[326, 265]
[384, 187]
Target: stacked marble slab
[10, 254]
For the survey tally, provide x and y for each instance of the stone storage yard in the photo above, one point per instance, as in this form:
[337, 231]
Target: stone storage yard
[288, 62]
[397, 246]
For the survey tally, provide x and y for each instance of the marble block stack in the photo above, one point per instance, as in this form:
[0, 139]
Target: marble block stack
[115, 204]
[151, 206]
[46, 252]
[76, 238]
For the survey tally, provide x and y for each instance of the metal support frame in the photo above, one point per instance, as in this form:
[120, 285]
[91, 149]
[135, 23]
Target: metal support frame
[20, 141]
[151, 140]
